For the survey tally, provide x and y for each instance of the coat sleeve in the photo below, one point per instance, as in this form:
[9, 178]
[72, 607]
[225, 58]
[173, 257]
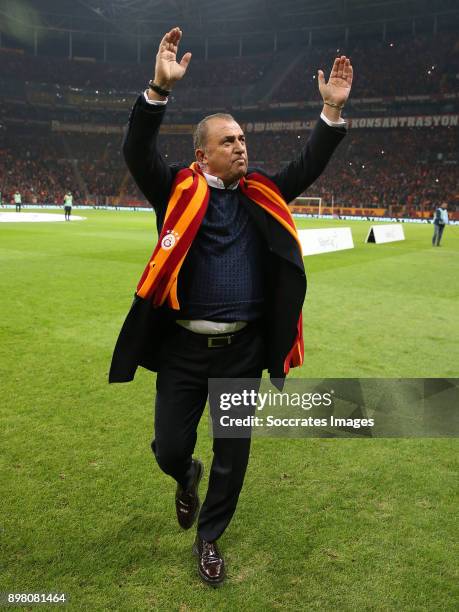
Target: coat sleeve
[148, 167]
[311, 162]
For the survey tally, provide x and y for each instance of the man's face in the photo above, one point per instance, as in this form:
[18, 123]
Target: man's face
[224, 154]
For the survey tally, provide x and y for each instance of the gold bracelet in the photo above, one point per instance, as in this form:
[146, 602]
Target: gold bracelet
[334, 105]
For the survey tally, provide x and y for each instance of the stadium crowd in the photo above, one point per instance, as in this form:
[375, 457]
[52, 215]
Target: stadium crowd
[107, 76]
[34, 168]
[424, 64]
[414, 167]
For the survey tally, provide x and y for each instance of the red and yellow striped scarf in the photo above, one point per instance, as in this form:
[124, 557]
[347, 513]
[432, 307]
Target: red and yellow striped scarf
[185, 211]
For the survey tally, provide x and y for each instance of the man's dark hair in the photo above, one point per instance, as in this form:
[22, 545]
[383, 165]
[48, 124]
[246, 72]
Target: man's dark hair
[200, 131]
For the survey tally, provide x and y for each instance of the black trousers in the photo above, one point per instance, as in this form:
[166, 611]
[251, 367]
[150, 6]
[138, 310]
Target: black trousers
[181, 394]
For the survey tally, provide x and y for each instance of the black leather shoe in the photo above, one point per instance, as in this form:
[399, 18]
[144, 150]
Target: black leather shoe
[187, 501]
[211, 566]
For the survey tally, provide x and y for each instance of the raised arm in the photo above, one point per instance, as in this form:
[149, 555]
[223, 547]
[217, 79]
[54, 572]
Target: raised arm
[300, 173]
[167, 70]
[148, 167]
[336, 92]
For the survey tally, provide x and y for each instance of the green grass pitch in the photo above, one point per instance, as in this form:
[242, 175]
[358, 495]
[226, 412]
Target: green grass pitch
[321, 524]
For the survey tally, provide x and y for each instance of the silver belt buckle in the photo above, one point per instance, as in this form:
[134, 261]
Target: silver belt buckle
[216, 341]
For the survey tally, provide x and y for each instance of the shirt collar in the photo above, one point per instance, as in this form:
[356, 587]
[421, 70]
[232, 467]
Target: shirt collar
[215, 181]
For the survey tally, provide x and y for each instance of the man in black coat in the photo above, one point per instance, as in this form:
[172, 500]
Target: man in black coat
[240, 290]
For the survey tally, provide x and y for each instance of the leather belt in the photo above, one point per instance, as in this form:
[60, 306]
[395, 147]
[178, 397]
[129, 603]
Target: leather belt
[215, 340]
[218, 341]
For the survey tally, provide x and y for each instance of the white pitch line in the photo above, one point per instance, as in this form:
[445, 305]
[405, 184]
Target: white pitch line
[27, 217]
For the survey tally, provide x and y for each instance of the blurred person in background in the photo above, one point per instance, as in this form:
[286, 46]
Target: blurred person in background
[68, 203]
[17, 200]
[440, 220]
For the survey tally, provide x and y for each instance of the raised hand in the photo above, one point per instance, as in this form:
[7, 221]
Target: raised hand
[167, 69]
[338, 88]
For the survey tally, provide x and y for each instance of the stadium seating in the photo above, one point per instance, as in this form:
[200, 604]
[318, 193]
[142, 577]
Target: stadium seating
[402, 170]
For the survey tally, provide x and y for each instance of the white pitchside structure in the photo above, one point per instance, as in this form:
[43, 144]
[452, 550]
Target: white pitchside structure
[325, 240]
[385, 233]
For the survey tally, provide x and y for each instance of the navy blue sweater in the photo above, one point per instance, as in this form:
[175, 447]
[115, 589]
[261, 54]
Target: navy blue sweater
[222, 277]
